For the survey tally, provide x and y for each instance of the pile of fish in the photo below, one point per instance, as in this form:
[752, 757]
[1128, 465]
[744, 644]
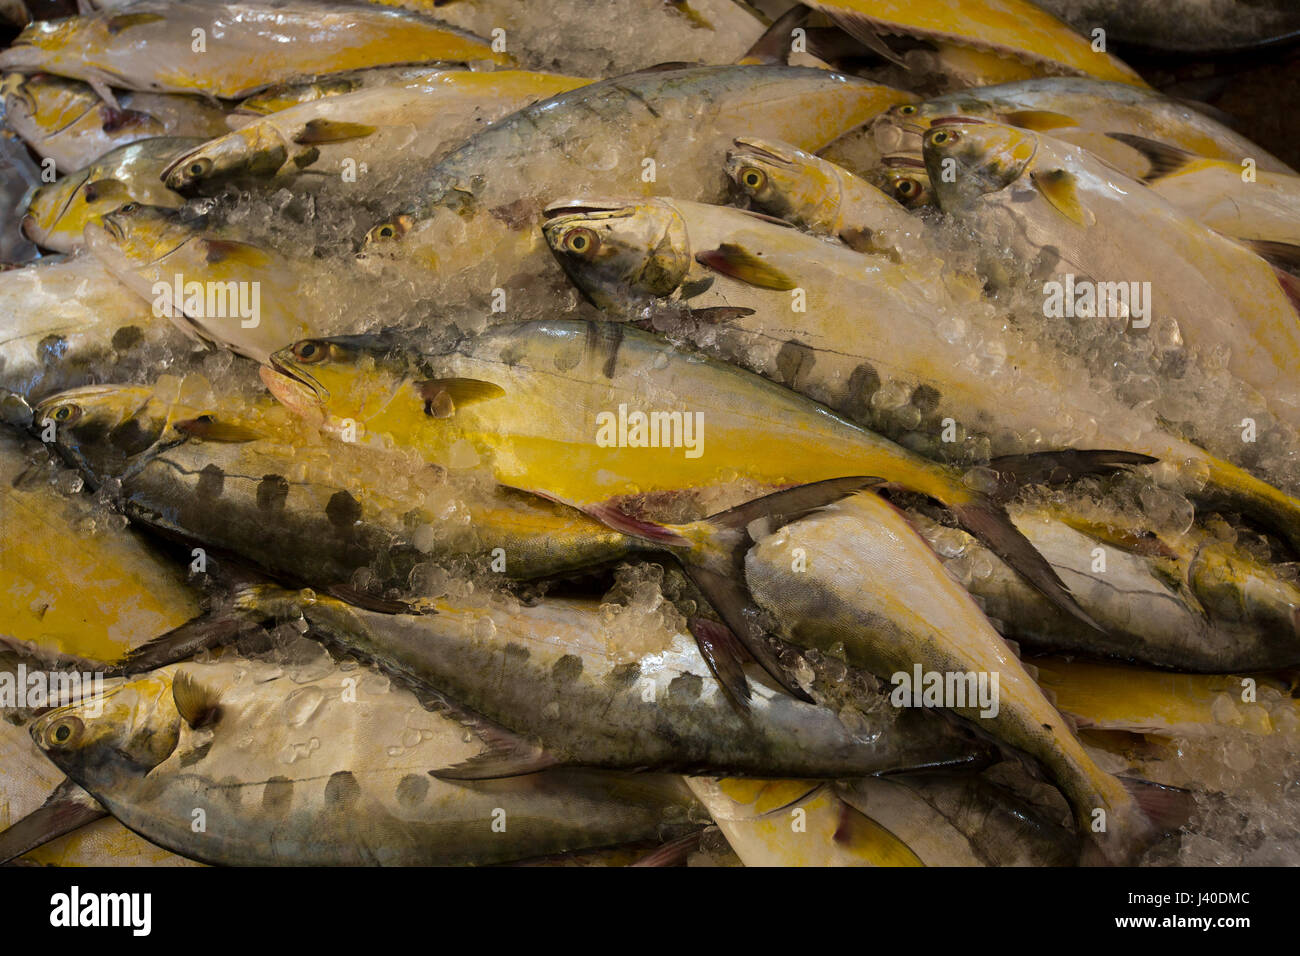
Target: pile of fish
[860, 432]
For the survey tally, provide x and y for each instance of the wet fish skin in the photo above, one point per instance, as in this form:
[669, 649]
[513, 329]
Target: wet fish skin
[58, 212]
[474, 227]
[1105, 227]
[373, 127]
[152, 767]
[66, 121]
[252, 45]
[875, 586]
[595, 694]
[1080, 111]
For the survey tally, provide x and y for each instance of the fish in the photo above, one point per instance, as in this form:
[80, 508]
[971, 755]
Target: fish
[1188, 28]
[1009, 28]
[906, 820]
[67, 122]
[46, 820]
[281, 96]
[371, 128]
[1034, 192]
[874, 588]
[1190, 602]
[518, 399]
[67, 321]
[57, 213]
[1081, 111]
[240, 479]
[215, 286]
[1257, 208]
[577, 690]
[252, 45]
[825, 199]
[473, 227]
[340, 775]
[93, 590]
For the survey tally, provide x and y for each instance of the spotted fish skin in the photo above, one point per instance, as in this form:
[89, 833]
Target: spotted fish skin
[339, 775]
[595, 694]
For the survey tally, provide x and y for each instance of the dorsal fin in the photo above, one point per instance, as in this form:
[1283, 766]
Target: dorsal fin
[197, 703]
[1165, 159]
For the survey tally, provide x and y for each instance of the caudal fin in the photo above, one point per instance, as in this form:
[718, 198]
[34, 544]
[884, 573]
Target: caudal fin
[1158, 810]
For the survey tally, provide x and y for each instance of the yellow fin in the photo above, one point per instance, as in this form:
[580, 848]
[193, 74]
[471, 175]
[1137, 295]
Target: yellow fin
[319, 131]
[864, 837]
[229, 250]
[1040, 121]
[209, 429]
[442, 396]
[739, 263]
[196, 703]
[1058, 188]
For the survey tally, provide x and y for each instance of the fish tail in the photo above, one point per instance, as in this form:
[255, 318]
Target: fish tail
[985, 517]
[1150, 811]
[713, 556]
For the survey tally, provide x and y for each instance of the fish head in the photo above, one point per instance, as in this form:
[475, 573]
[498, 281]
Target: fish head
[103, 429]
[145, 234]
[968, 157]
[252, 151]
[619, 253]
[1234, 587]
[44, 104]
[905, 180]
[787, 181]
[44, 36]
[335, 383]
[58, 212]
[132, 725]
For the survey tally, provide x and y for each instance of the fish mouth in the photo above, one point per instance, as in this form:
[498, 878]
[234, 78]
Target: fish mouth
[291, 385]
[28, 227]
[956, 120]
[902, 162]
[604, 208]
[763, 150]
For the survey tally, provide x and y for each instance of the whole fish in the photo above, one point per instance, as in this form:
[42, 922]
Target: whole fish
[372, 128]
[58, 213]
[151, 45]
[66, 121]
[625, 695]
[1233, 197]
[91, 589]
[1190, 602]
[909, 820]
[1047, 198]
[214, 285]
[339, 776]
[821, 196]
[1080, 111]
[894, 343]
[874, 588]
[544, 407]
[474, 227]
[1009, 28]
[239, 479]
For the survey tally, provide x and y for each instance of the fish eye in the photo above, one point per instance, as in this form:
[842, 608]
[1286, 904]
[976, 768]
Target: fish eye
[392, 229]
[581, 241]
[906, 110]
[66, 413]
[752, 178]
[65, 730]
[907, 188]
[310, 350]
[129, 208]
[941, 137]
[200, 167]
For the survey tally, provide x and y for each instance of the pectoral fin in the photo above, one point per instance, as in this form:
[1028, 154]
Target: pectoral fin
[319, 131]
[442, 396]
[1039, 121]
[739, 263]
[1060, 188]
